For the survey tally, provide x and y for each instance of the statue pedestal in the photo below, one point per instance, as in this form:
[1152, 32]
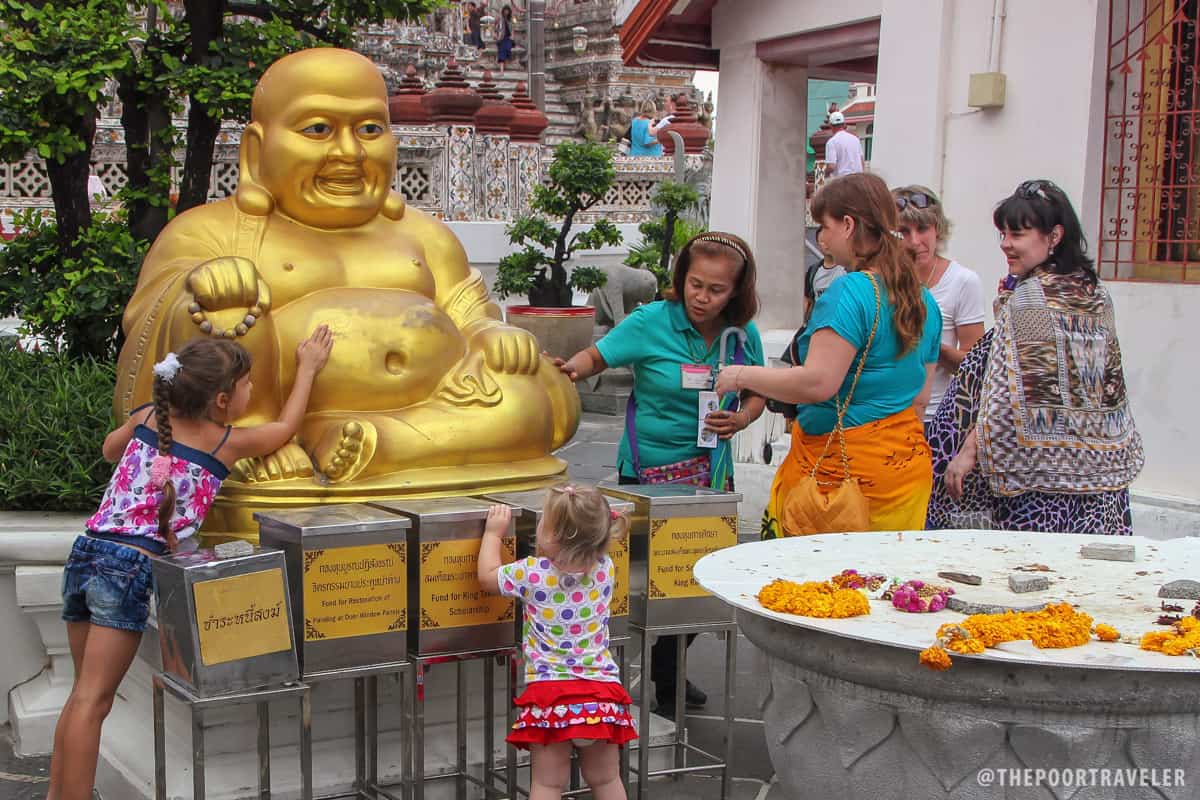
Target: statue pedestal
[607, 393]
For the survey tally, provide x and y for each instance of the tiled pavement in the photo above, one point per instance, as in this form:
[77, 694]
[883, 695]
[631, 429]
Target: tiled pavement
[592, 456]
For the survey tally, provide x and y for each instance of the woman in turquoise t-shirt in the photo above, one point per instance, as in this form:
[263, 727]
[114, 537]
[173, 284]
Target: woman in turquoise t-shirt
[643, 134]
[670, 345]
[878, 312]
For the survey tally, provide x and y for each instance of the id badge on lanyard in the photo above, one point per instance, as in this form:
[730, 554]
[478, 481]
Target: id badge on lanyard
[695, 376]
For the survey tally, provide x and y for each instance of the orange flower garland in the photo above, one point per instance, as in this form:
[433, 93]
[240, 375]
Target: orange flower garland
[1054, 626]
[1182, 638]
[813, 599]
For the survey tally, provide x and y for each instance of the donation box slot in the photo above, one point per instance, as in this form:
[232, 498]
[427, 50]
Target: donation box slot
[673, 528]
[348, 572]
[450, 614]
[528, 513]
[225, 624]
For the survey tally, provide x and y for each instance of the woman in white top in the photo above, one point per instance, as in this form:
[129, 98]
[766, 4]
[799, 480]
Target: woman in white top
[957, 290]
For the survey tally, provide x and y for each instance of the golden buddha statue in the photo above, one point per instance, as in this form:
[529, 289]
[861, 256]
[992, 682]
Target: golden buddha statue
[427, 391]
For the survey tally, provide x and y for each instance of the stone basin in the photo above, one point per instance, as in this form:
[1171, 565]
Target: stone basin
[850, 713]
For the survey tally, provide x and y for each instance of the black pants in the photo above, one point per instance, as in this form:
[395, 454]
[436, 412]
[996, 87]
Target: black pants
[664, 654]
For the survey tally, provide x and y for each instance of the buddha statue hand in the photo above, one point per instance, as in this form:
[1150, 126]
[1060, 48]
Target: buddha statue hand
[509, 350]
[229, 282]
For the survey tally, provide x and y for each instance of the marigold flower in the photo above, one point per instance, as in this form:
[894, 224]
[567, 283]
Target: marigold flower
[1054, 626]
[936, 658]
[1107, 633]
[813, 599]
[1184, 637]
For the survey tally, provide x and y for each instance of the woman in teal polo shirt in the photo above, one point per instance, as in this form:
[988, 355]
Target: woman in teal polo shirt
[670, 344]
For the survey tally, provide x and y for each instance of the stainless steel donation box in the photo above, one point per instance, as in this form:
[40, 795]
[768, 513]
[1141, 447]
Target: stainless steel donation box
[348, 572]
[528, 508]
[673, 528]
[225, 623]
[450, 614]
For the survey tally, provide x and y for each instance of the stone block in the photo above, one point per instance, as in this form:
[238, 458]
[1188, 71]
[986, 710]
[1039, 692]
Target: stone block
[1181, 590]
[1021, 582]
[964, 606]
[1109, 552]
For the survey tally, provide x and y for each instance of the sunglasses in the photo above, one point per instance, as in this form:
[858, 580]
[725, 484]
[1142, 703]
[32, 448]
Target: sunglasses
[1034, 189]
[916, 200]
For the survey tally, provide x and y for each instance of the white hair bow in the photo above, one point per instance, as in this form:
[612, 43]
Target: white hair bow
[168, 367]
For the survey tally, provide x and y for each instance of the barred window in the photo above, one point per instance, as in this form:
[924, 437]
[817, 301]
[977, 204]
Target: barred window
[1150, 207]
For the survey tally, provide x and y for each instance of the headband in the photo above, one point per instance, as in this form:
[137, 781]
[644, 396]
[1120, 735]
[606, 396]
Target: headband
[719, 238]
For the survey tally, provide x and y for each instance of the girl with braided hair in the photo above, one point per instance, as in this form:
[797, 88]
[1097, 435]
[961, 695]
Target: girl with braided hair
[172, 456]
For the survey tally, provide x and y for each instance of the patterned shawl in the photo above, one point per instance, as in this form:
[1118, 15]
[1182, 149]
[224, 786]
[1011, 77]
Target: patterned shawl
[1053, 412]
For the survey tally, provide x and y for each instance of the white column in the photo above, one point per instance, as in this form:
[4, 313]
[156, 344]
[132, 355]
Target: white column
[461, 173]
[495, 184]
[35, 705]
[759, 175]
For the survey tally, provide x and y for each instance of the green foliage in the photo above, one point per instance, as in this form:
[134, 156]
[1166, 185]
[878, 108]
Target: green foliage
[580, 175]
[54, 415]
[662, 238]
[74, 302]
[54, 63]
[58, 57]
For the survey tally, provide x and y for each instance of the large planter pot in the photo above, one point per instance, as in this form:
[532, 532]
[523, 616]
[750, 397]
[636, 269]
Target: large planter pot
[561, 332]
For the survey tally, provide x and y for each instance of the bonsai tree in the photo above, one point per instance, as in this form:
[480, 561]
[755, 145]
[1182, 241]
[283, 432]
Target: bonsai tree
[580, 175]
[662, 238]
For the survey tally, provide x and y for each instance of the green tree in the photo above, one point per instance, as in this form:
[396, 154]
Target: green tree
[662, 238]
[60, 60]
[580, 175]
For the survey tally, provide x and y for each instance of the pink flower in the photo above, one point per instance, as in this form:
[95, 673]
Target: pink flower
[203, 497]
[145, 513]
[123, 478]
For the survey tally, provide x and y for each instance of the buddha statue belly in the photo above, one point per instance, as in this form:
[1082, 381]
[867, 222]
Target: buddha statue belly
[427, 391]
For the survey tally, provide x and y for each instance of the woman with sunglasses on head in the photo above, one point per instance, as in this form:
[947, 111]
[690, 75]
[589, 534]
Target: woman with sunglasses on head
[957, 290]
[1035, 432]
[866, 362]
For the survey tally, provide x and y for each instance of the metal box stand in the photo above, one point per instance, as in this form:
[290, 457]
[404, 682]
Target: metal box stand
[198, 705]
[225, 623]
[348, 573]
[675, 526]
[454, 620]
[527, 508]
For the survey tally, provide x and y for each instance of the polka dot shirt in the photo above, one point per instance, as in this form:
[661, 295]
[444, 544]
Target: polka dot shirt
[566, 619]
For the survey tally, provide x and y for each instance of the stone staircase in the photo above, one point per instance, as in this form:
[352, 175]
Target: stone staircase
[563, 122]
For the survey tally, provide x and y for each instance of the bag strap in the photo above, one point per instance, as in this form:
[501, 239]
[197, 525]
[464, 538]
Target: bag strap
[631, 433]
[839, 429]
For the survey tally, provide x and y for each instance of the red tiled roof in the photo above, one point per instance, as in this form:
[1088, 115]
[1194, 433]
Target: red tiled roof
[655, 36]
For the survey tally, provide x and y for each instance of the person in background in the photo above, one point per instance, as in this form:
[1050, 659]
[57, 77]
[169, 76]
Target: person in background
[957, 290]
[474, 25]
[843, 151]
[504, 38]
[643, 131]
[1035, 432]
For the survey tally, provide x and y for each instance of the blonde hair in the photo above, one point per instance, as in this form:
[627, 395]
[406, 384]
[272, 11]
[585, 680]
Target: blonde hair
[582, 523]
[933, 216]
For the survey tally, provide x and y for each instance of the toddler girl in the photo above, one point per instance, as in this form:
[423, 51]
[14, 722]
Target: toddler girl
[172, 460]
[573, 695]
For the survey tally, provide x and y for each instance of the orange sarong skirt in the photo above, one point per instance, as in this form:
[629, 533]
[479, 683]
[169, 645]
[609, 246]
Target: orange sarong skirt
[889, 457]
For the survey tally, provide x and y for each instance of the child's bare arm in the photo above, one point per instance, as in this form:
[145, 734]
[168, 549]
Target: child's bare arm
[262, 440]
[490, 561]
[118, 439]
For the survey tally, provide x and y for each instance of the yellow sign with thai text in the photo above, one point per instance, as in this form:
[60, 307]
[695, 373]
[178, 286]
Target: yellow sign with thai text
[618, 551]
[355, 591]
[242, 616]
[675, 547]
[450, 593]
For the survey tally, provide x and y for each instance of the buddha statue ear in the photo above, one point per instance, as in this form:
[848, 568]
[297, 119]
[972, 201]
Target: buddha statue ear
[393, 206]
[251, 196]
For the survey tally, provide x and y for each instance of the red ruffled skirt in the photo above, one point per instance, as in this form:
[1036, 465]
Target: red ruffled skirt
[562, 711]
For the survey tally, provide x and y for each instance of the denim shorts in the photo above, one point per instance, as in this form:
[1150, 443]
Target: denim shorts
[107, 584]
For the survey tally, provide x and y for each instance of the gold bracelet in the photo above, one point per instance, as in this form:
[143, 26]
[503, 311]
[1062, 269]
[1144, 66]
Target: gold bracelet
[241, 329]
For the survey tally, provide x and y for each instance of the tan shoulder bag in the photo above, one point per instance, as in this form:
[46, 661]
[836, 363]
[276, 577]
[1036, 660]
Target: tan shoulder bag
[806, 509]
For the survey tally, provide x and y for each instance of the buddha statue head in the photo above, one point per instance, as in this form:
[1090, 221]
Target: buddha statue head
[318, 148]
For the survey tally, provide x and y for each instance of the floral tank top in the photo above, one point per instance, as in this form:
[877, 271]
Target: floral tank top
[130, 503]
